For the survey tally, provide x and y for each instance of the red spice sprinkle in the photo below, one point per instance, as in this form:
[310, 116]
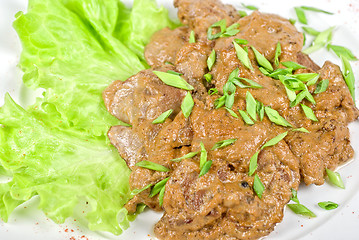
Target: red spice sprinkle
[72, 230]
[72, 238]
[66, 230]
[301, 225]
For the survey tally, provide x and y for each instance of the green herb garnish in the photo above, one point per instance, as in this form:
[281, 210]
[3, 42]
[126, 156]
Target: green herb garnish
[161, 118]
[292, 65]
[278, 52]
[173, 80]
[241, 41]
[134, 192]
[223, 143]
[301, 15]
[348, 76]
[342, 51]
[258, 186]
[157, 188]
[242, 56]
[242, 13]
[311, 31]
[275, 140]
[152, 166]
[221, 24]
[294, 196]
[301, 209]
[261, 60]
[253, 163]
[205, 168]
[335, 178]
[309, 113]
[233, 114]
[187, 105]
[188, 155]
[320, 41]
[276, 118]
[175, 73]
[211, 59]
[251, 106]
[328, 205]
[203, 157]
[246, 117]
[208, 77]
[302, 129]
[322, 86]
[192, 37]
[161, 195]
[313, 9]
[250, 7]
[212, 91]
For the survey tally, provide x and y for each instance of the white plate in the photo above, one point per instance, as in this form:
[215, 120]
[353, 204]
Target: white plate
[343, 223]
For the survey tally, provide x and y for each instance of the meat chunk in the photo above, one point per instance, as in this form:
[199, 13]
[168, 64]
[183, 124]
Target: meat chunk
[222, 204]
[164, 46]
[142, 96]
[199, 15]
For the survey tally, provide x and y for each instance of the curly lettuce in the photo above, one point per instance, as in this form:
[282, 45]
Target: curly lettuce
[57, 148]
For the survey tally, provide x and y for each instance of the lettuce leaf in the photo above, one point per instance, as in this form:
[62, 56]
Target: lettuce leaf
[57, 148]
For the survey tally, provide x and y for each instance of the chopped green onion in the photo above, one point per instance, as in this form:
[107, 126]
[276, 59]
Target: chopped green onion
[278, 52]
[233, 114]
[261, 60]
[241, 41]
[260, 110]
[251, 106]
[205, 168]
[157, 188]
[250, 7]
[242, 13]
[212, 91]
[276, 118]
[211, 59]
[302, 129]
[301, 209]
[311, 31]
[306, 77]
[192, 37]
[275, 140]
[229, 100]
[309, 113]
[253, 163]
[280, 71]
[294, 196]
[124, 124]
[298, 99]
[342, 51]
[292, 21]
[292, 65]
[252, 84]
[161, 195]
[222, 24]
[223, 143]
[188, 155]
[173, 80]
[175, 73]
[219, 102]
[203, 157]
[322, 86]
[208, 77]
[301, 15]
[335, 178]
[152, 166]
[231, 30]
[313, 9]
[242, 56]
[328, 205]
[320, 41]
[348, 76]
[245, 117]
[169, 63]
[161, 118]
[187, 105]
[258, 186]
[134, 192]
[291, 94]
[304, 38]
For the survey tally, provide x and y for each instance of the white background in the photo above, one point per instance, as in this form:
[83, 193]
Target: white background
[343, 223]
